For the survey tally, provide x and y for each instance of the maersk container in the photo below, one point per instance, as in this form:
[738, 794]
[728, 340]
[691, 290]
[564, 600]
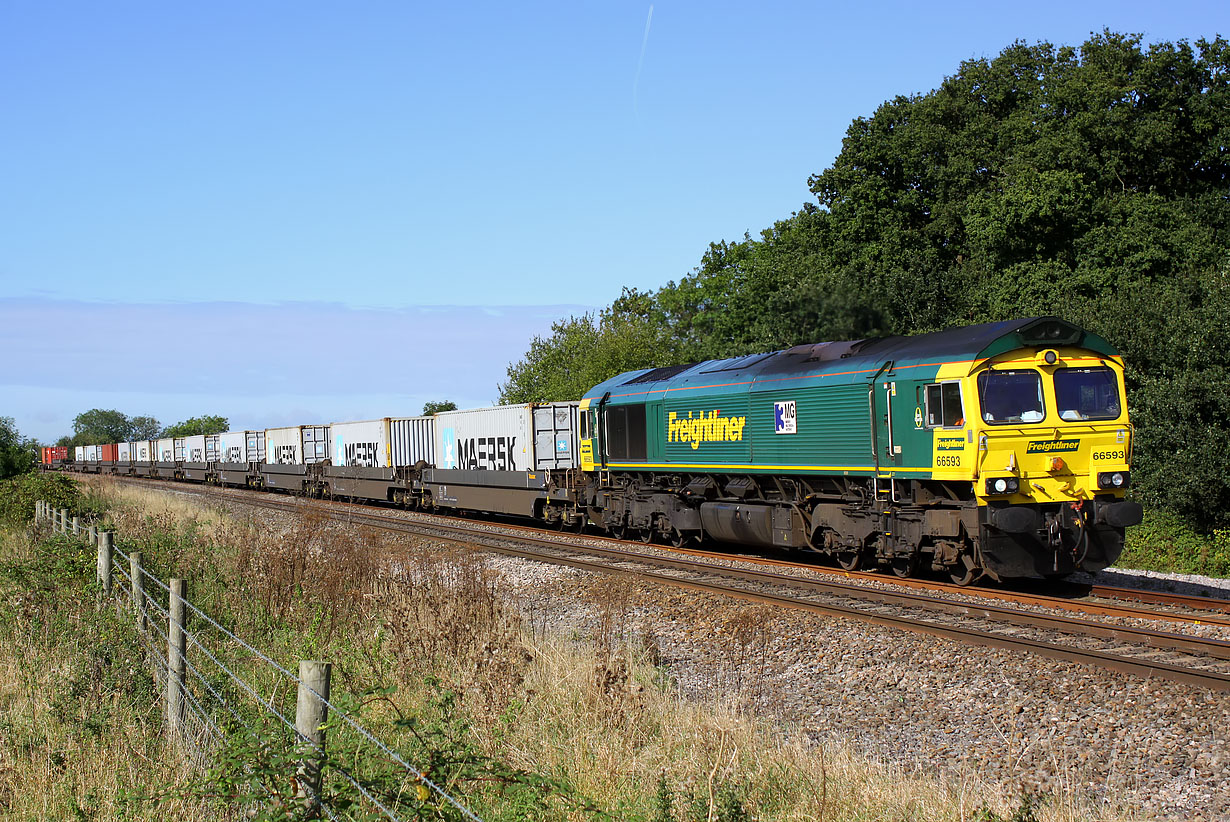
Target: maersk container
[363, 444]
[297, 445]
[241, 446]
[123, 452]
[193, 449]
[508, 437]
[412, 440]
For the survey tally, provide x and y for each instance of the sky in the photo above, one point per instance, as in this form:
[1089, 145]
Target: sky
[309, 212]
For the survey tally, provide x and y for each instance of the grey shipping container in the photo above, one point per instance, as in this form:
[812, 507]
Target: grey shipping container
[508, 438]
[412, 440]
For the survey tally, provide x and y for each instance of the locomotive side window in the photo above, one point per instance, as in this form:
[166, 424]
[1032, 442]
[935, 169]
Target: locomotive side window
[944, 406]
[1011, 397]
[1087, 394]
[625, 432]
[584, 425]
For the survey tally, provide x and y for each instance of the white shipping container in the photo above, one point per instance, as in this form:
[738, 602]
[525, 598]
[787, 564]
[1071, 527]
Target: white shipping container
[211, 448]
[194, 448]
[363, 444]
[90, 453]
[297, 445]
[508, 437]
[79, 454]
[241, 446]
[143, 451]
[181, 449]
[164, 450]
[413, 440]
[123, 452]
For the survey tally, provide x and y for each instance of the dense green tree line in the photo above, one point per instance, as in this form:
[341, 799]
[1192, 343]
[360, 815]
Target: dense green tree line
[100, 426]
[1085, 182]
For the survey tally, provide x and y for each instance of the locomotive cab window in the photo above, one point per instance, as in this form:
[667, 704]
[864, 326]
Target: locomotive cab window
[625, 432]
[1011, 397]
[585, 425]
[1087, 394]
[944, 406]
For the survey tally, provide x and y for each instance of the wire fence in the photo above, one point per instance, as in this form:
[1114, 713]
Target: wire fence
[228, 704]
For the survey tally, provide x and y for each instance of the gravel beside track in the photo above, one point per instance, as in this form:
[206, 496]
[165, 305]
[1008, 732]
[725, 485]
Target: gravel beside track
[1027, 724]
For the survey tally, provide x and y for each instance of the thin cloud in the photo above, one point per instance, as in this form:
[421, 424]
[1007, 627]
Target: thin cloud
[641, 60]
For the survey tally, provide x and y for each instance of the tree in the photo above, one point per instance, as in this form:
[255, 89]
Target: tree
[193, 426]
[145, 428]
[18, 454]
[433, 407]
[98, 426]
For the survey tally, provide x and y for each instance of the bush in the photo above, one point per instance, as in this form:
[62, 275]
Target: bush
[18, 495]
[1165, 542]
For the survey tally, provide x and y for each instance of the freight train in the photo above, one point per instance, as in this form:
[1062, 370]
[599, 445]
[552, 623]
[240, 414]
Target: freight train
[993, 451]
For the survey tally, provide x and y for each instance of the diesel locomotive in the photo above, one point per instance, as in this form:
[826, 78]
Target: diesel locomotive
[999, 450]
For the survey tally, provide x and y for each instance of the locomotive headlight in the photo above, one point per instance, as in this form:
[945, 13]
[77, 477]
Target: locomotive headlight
[1114, 479]
[1003, 485]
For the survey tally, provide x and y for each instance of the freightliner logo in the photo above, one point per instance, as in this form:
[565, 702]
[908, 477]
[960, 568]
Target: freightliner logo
[1052, 446]
[707, 427]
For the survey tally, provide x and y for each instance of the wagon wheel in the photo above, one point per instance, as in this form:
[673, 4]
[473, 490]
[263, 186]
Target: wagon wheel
[645, 535]
[616, 530]
[678, 539]
[905, 565]
[849, 560]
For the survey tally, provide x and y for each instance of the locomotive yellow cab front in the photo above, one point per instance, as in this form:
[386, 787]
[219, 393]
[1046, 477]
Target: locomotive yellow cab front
[1053, 449]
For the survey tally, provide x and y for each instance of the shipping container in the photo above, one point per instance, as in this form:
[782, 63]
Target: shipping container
[79, 453]
[363, 444]
[297, 445]
[193, 448]
[124, 452]
[108, 453]
[212, 451]
[143, 450]
[164, 450]
[413, 440]
[89, 453]
[241, 446]
[508, 437]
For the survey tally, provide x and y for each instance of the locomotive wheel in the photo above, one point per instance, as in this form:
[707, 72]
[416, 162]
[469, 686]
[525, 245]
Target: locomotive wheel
[849, 560]
[678, 539]
[905, 566]
[645, 535]
[616, 531]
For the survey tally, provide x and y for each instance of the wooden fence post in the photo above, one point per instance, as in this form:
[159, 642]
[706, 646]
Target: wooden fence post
[104, 562]
[92, 534]
[64, 521]
[76, 526]
[177, 647]
[311, 713]
[38, 511]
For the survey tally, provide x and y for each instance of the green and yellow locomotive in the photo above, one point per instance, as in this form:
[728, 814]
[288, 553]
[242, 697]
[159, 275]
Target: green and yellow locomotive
[1000, 450]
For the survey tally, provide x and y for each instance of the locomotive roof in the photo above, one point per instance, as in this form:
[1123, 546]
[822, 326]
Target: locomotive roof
[966, 343]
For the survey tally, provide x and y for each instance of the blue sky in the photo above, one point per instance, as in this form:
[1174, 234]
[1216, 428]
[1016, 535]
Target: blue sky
[337, 168]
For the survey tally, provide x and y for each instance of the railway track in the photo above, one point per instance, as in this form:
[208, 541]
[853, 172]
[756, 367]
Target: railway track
[1144, 652]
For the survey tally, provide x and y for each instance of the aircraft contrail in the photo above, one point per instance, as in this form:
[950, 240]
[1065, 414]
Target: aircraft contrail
[641, 61]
